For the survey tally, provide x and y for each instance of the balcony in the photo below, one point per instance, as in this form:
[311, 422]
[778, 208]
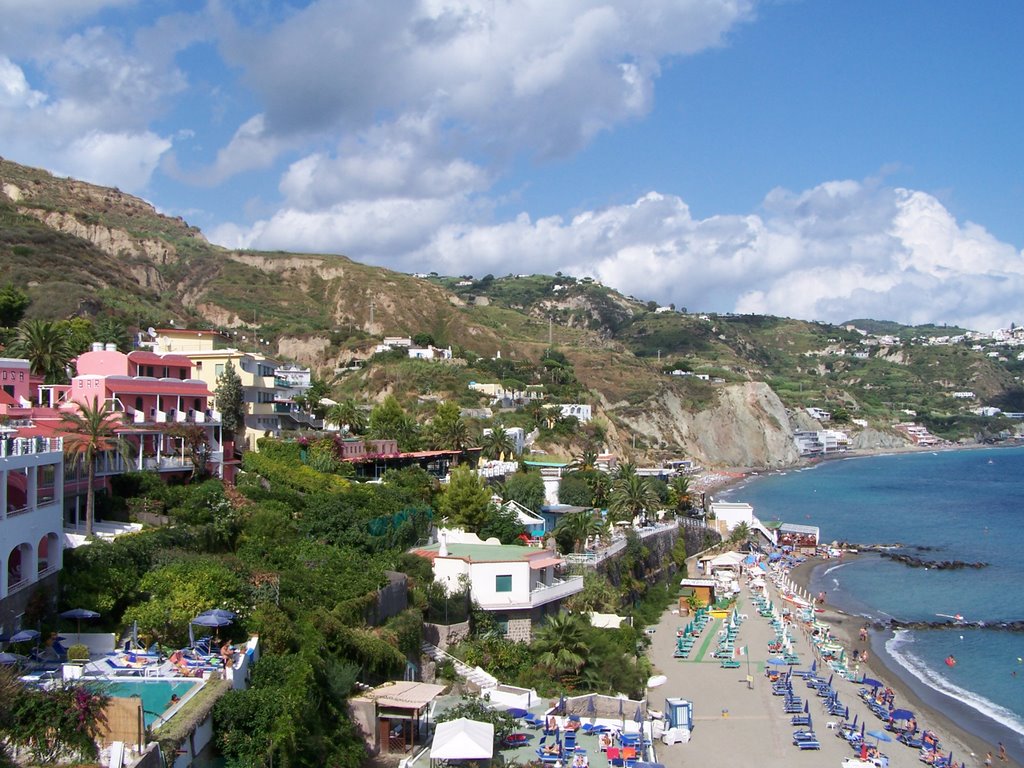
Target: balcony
[542, 594]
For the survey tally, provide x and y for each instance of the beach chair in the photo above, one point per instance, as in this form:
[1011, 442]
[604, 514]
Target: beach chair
[803, 745]
[729, 664]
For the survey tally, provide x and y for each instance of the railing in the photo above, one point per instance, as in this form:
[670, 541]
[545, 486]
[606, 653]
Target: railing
[28, 581]
[24, 446]
[618, 543]
[557, 589]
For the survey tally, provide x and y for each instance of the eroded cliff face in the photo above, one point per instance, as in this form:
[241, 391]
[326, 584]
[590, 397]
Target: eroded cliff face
[746, 427]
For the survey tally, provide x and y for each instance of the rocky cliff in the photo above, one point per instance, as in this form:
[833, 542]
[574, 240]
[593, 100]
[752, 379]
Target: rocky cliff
[747, 426]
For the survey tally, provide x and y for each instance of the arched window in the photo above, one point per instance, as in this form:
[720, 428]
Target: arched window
[138, 403]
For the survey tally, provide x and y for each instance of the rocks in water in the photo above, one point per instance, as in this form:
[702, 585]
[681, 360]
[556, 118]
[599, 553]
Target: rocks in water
[1016, 625]
[939, 565]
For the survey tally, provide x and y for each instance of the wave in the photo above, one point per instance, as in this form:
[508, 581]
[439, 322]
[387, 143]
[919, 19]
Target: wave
[834, 568]
[896, 647]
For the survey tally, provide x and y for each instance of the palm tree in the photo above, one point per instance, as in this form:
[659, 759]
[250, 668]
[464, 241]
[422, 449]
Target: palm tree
[679, 493]
[89, 432]
[347, 415]
[600, 486]
[46, 346]
[498, 444]
[584, 461]
[631, 496]
[740, 533]
[579, 526]
[561, 644]
[452, 435]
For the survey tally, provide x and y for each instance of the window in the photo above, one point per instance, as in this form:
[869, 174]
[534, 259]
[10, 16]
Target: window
[501, 624]
[219, 369]
[503, 583]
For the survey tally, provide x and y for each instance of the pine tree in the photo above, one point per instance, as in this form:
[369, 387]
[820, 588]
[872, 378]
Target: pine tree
[230, 400]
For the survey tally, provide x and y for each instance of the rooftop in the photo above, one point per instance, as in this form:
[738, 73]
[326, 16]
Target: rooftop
[484, 553]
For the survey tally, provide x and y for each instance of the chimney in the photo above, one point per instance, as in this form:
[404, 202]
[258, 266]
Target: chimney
[97, 346]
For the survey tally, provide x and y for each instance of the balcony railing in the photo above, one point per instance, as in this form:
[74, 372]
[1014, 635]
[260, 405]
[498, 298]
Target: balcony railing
[539, 595]
[24, 446]
[28, 581]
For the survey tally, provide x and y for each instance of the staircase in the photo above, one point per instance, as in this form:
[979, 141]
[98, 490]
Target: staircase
[475, 675]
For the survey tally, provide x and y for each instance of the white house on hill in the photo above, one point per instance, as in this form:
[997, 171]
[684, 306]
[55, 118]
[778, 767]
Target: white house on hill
[518, 586]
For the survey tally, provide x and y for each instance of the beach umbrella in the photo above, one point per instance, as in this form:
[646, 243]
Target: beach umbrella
[846, 714]
[880, 735]
[518, 712]
[638, 716]
[10, 658]
[777, 662]
[591, 706]
[814, 666]
[78, 614]
[24, 636]
[869, 682]
[655, 681]
[561, 704]
[212, 620]
[220, 613]
[901, 714]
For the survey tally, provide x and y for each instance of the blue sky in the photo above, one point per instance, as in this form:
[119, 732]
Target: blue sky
[817, 159]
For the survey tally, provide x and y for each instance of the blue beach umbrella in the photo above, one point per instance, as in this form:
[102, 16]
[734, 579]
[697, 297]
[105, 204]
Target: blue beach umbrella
[24, 636]
[517, 712]
[638, 716]
[10, 658]
[777, 662]
[591, 706]
[220, 613]
[901, 714]
[880, 735]
[78, 614]
[869, 682]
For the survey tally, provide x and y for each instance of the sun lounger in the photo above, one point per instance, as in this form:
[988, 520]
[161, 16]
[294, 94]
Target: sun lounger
[808, 744]
[729, 664]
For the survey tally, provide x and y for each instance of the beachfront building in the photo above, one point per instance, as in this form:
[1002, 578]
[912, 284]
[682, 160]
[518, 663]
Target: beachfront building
[802, 538]
[372, 458]
[31, 522]
[263, 392]
[726, 515]
[811, 442]
[518, 586]
[917, 434]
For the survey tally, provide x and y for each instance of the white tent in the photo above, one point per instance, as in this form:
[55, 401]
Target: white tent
[463, 739]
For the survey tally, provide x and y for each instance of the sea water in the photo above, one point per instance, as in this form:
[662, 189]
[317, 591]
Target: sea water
[965, 505]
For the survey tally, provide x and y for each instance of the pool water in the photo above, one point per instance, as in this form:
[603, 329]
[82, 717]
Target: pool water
[155, 694]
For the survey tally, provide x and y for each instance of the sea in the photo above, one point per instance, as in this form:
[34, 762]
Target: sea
[965, 505]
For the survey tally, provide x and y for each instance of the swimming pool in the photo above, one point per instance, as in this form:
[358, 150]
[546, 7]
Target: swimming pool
[155, 694]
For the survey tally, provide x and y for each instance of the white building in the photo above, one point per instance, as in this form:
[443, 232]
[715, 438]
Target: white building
[31, 521]
[729, 514]
[581, 412]
[296, 379]
[430, 353]
[518, 586]
[516, 434]
[818, 414]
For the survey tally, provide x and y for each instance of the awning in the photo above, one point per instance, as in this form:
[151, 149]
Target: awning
[404, 695]
[463, 739]
[544, 562]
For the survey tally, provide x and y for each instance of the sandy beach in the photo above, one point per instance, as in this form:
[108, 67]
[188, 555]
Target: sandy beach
[735, 724]
[847, 626]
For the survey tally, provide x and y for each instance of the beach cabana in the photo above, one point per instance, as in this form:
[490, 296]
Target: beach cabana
[393, 713]
[463, 739]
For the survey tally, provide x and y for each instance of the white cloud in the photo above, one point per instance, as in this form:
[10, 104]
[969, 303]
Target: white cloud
[14, 88]
[837, 251]
[126, 160]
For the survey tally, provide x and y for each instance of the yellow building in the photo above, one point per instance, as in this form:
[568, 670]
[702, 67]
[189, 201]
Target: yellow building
[210, 352]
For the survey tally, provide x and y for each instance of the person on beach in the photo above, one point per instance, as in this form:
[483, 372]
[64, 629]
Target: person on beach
[1002, 752]
[864, 633]
[988, 760]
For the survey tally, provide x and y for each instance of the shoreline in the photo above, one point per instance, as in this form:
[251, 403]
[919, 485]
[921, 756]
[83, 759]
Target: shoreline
[929, 703]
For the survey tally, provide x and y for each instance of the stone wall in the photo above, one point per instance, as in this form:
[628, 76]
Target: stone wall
[445, 635]
[520, 629]
[392, 599]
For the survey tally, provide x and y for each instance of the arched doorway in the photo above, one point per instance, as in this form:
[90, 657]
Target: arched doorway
[17, 565]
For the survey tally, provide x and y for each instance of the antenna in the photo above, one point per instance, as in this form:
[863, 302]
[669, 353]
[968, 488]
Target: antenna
[151, 331]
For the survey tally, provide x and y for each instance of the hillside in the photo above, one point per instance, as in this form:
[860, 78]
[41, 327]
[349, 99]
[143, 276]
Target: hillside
[88, 251]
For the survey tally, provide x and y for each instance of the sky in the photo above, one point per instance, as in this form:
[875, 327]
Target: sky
[817, 159]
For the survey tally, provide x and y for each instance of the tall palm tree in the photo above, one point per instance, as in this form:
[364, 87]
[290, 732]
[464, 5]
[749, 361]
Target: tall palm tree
[579, 526]
[739, 534]
[348, 415]
[561, 644]
[631, 496]
[600, 486]
[679, 494]
[498, 444]
[46, 346]
[89, 432]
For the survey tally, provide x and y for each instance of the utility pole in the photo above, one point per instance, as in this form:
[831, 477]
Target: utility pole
[549, 331]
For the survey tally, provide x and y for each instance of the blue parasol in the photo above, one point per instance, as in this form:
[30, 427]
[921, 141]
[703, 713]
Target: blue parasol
[880, 735]
[517, 712]
[24, 636]
[220, 613]
[869, 682]
[10, 658]
[211, 620]
[638, 716]
[591, 707]
[777, 662]
[78, 614]
[901, 714]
